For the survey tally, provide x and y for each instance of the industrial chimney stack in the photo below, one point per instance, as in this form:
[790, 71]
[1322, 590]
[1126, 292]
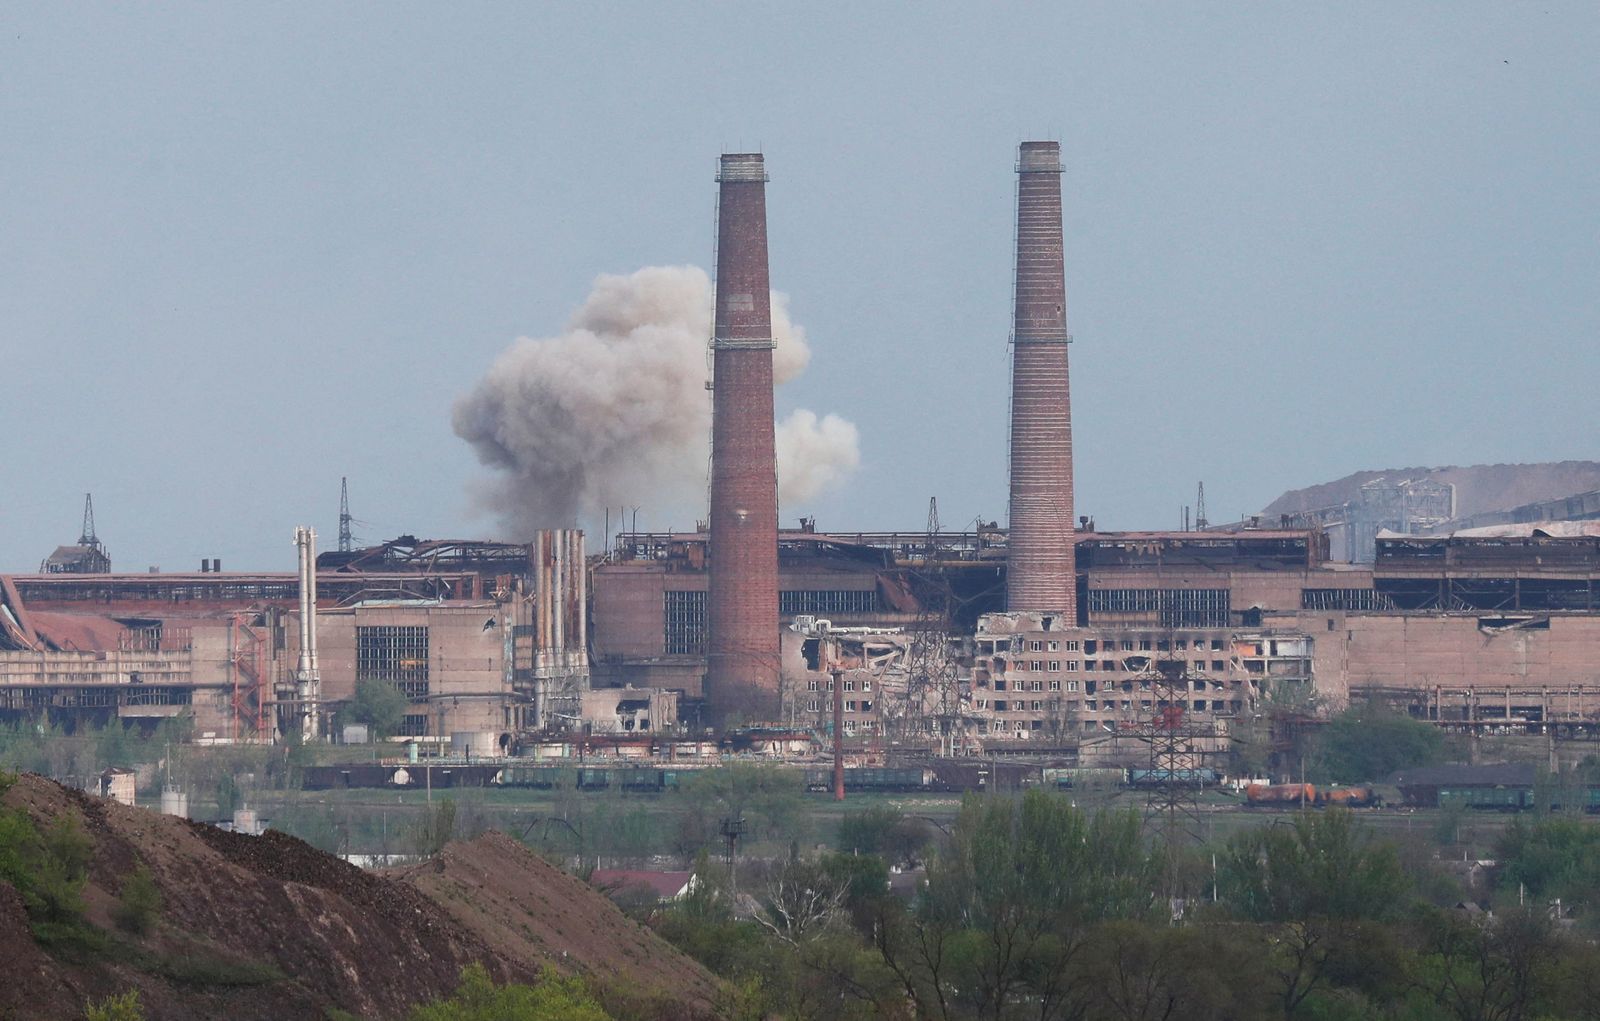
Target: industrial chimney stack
[742, 604]
[1040, 571]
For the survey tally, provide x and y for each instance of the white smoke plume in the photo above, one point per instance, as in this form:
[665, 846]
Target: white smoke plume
[815, 455]
[614, 412]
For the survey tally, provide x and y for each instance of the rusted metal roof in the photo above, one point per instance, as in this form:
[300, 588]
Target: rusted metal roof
[78, 632]
[666, 885]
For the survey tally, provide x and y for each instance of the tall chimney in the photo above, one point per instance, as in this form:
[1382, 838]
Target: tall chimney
[1040, 572]
[742, 604]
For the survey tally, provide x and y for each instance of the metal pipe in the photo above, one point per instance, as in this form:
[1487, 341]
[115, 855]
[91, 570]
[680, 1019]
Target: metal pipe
[558, 600]
[838, 734]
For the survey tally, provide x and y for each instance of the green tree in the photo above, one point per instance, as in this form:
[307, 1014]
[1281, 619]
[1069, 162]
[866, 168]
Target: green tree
[1549, 858]
[1010, 903]
[1489, 972]
[378, 704]
[116, 747]
[555, 997]
[139, 904]
[1369, 742]
[1140, 972]
[60, 866]
[438, 827]
[883, 831]
[1322, 888]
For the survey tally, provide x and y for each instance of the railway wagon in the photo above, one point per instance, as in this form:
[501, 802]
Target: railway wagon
[867, 779]
[1181, 777]
[1487, 799]
[627, 778]
[539, 777]
[366, 775]
[1078, 778]
[1279, 795]
[1347, 797]
[984, 775]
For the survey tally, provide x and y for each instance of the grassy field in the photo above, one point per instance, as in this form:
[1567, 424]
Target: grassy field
[621, 828]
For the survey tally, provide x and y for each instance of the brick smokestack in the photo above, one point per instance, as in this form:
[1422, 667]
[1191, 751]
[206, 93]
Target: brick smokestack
[742, 604]
[1040, 572]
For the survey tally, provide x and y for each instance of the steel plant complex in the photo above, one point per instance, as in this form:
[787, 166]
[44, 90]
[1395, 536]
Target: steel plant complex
[1048, 640]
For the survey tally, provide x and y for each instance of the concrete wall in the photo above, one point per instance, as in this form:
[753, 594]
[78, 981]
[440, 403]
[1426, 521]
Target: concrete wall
[1391, 650]
[468, 687]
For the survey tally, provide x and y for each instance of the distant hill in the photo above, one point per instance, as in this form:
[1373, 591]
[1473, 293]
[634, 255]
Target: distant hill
[1480, 488]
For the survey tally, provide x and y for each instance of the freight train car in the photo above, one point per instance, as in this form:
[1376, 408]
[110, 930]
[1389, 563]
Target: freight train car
[1487, 799]
[869, 779]
[640, 779]
[1347, 797]
[1082, 777]
[1280, 795]
[1179, 777]
[361, 775]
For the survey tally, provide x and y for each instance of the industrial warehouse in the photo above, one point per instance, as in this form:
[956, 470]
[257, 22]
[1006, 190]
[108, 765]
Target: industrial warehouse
[1046, 638]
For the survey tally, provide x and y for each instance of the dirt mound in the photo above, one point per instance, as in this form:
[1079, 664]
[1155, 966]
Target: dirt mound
[1480, 488]
[269, 927]
[527, 909]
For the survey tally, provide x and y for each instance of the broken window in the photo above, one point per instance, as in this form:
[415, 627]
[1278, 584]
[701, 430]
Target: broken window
[398, 655]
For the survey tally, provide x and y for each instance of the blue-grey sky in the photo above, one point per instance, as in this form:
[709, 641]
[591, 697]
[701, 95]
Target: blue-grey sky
[247, 249]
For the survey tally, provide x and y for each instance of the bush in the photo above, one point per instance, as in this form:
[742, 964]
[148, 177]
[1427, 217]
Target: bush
[139, 904]
[125, 1007]
[60, 868]
[556, 998]
[47, 869]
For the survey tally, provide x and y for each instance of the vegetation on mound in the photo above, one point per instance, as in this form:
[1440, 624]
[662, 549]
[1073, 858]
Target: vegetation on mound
[555, 997]
[124, 1007]
[47, 867]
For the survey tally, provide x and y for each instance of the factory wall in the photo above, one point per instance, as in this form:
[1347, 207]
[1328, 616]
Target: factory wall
[448, 658]
[1423, 651]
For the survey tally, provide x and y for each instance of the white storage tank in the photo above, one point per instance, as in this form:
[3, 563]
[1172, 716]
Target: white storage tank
[247, 822]
[174, 802]
[475, 744]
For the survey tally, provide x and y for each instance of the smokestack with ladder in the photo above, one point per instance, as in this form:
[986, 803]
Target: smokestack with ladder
[742, 602]
[1040, 571]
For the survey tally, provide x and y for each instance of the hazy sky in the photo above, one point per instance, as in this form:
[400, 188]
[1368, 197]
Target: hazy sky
[247, 249]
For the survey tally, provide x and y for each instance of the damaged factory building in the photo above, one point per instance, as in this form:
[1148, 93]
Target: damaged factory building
[1046, 636]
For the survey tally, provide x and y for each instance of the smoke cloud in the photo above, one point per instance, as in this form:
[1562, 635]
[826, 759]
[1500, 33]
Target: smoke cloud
[815, 455]
[614, 411]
